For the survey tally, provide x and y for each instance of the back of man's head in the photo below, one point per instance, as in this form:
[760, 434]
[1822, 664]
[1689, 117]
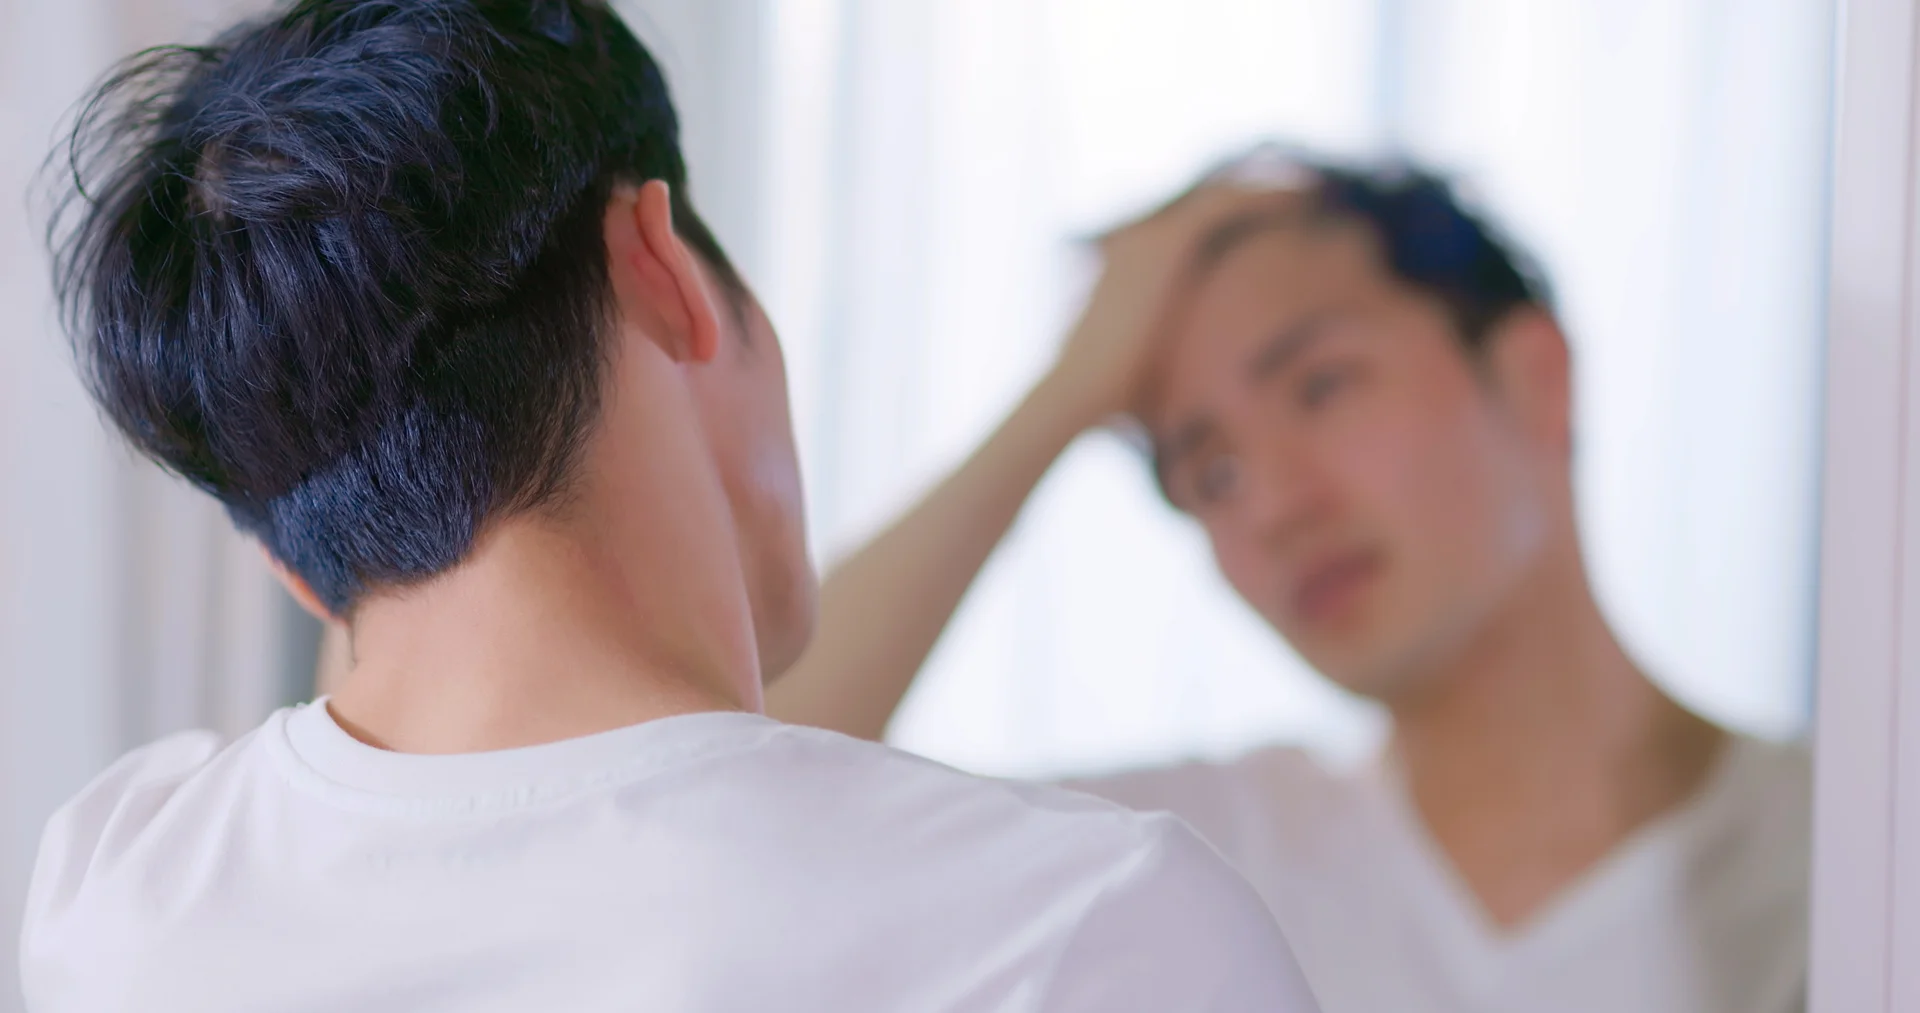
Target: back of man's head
[344, 268]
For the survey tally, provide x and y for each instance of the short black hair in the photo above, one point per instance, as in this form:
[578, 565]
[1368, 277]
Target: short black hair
[344, 268]
[1429, 238]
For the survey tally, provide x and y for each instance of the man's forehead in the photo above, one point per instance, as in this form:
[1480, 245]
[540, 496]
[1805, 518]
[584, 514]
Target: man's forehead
[1285, 254]
[1244, 299]
[1212, 362]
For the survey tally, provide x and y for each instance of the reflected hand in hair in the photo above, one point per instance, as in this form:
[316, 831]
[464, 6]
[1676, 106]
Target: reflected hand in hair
[1103, 366]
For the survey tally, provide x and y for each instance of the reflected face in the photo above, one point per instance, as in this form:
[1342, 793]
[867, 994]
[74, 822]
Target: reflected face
[745, 413]
[1359, 475]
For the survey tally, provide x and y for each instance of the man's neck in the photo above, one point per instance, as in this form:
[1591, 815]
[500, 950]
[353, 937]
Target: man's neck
[1544, 747]
[538, 637]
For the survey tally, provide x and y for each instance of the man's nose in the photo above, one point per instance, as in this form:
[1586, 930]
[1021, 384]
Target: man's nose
[1285, 492]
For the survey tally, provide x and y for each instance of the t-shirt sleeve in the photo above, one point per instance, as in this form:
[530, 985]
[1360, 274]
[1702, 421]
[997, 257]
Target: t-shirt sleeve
[106, 815]
[1178, 932]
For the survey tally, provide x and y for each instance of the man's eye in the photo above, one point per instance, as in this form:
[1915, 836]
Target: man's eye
[1322, 385]
[1215, 479]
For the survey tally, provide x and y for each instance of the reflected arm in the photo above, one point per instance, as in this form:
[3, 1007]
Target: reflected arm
[883, 608]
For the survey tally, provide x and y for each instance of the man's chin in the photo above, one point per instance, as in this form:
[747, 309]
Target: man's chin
[1376, 686]
[1365, 667]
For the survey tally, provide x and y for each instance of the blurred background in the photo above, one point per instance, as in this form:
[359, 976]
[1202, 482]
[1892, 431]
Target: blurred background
[906, 182]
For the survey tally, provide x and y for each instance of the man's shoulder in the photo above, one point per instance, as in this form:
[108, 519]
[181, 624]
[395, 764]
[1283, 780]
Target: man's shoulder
[1108, 907]
[109, 823]
[1013, 844]
[1178, 929]
[1761, 808]
[860, 781]
[1787, 764]
[116, 806]
[1253, 795]
[1266, 766]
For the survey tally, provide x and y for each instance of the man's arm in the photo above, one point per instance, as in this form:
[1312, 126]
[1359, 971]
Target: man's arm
[883, 608]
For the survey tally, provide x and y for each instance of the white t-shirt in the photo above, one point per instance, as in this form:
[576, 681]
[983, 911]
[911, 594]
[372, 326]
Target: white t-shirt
[713, 862]
[1703, 911]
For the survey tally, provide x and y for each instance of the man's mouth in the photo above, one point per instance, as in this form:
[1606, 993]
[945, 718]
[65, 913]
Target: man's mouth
[1333, 585]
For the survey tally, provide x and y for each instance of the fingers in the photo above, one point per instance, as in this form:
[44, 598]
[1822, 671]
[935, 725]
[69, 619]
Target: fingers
[1174, 232]
[1208, 197]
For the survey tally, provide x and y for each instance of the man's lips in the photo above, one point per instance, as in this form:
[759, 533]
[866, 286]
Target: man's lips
[1331, 586]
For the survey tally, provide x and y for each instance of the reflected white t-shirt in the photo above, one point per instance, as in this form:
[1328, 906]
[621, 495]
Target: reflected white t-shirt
[1703, 911]
[712, 862]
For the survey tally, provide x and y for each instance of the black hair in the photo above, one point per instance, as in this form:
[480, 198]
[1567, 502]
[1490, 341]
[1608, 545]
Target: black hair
[1430, 240]
[344, 268]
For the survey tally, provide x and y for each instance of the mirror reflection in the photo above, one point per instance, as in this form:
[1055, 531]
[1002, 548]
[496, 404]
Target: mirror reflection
[1462, 592]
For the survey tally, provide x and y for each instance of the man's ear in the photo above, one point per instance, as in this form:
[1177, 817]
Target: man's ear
[336, 650]
[298, 587]
[657, 280]
[1533, 369]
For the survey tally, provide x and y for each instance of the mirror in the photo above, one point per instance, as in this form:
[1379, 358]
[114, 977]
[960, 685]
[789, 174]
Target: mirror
[1659, 167]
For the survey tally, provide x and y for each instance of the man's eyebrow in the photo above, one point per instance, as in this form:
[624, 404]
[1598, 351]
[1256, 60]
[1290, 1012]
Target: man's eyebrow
[1284, 347]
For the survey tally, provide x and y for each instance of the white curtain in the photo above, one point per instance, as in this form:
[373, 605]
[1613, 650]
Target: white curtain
[932, 162]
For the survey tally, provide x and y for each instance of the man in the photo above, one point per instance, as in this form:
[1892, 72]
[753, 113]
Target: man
[1363, 398]
[415, 291]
